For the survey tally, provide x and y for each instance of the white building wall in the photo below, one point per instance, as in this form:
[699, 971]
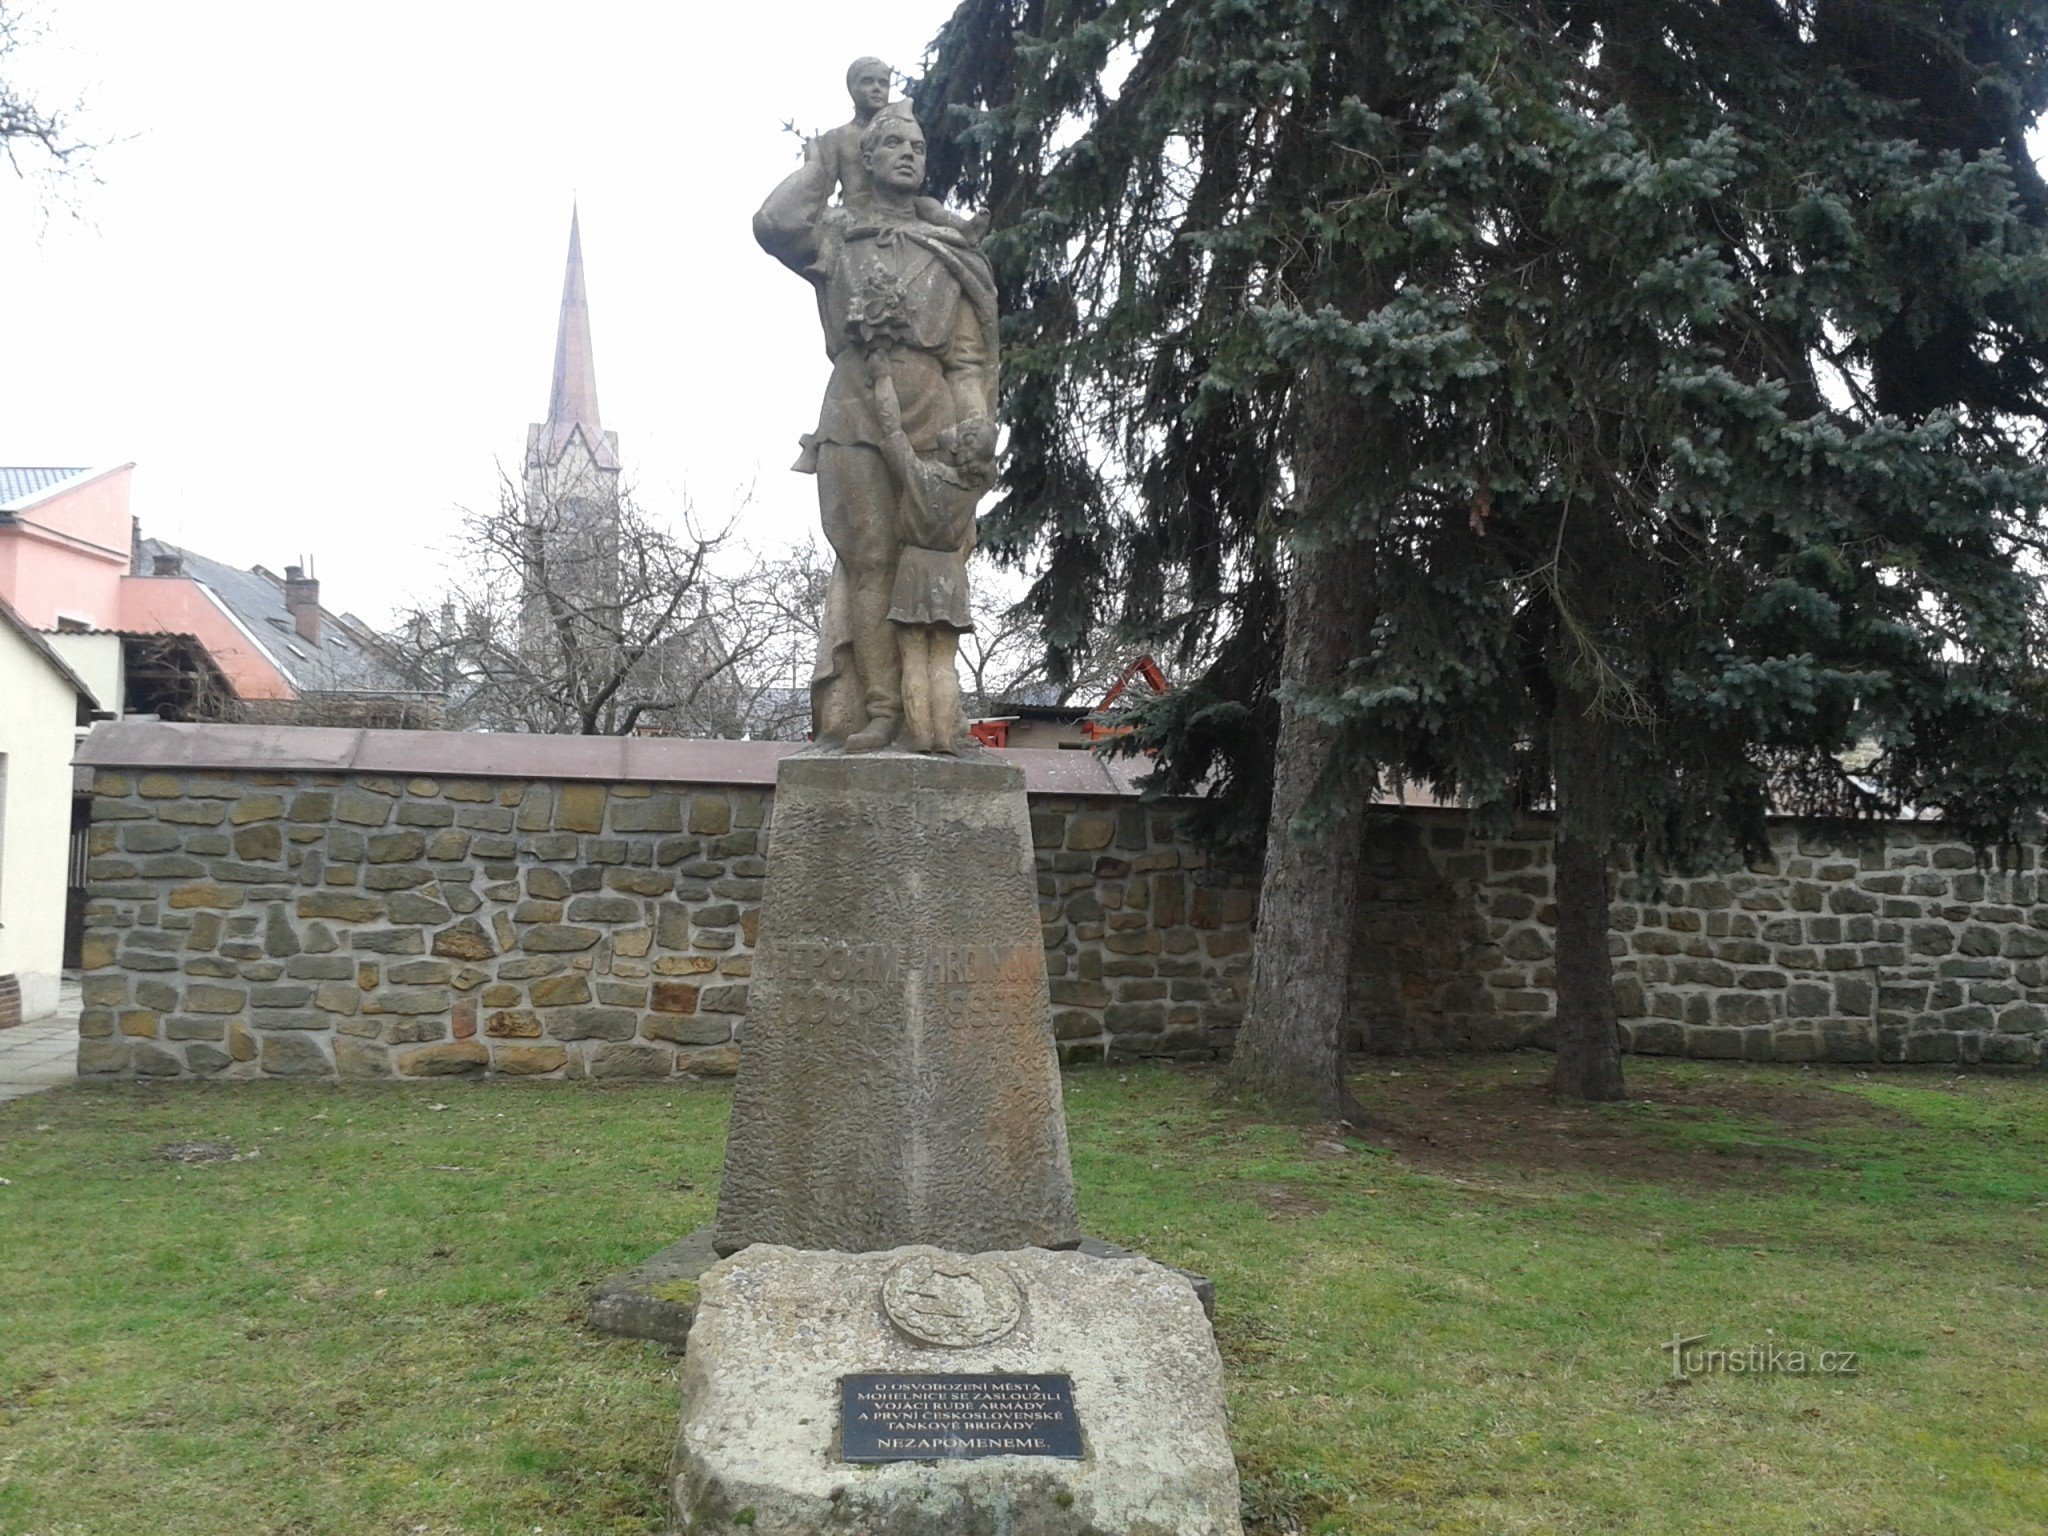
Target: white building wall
[98, 662]
[38, 733]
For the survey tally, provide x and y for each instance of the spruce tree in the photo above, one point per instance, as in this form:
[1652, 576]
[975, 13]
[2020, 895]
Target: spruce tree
[1621, 409]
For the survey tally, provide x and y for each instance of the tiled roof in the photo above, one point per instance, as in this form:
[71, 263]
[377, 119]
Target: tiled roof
[20, 481]
[337, 662]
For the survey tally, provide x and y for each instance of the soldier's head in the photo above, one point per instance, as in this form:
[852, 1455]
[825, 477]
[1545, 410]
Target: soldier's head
[867, 82]
[892, 150]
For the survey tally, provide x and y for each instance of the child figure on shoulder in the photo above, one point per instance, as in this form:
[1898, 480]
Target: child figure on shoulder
[867, 82]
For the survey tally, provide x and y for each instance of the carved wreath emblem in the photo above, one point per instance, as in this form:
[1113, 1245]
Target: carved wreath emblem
[953, 1301]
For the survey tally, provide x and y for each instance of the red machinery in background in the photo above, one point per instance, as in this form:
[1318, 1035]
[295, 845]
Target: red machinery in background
[996, 732]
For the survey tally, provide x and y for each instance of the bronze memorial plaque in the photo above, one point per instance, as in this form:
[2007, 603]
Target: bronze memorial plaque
[928, 1417]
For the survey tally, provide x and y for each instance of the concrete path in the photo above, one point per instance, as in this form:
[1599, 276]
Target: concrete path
[43, 1054]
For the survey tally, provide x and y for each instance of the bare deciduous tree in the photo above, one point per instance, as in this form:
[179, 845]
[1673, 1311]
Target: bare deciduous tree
[584, 615]
[39, 142]
[574, 612]
[782, 595]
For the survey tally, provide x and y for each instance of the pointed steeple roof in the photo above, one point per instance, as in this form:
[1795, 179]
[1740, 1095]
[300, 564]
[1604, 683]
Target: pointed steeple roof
[572, 398]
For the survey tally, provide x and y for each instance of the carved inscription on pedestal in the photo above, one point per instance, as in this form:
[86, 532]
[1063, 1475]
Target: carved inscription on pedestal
[965, 985]
[947, 1417]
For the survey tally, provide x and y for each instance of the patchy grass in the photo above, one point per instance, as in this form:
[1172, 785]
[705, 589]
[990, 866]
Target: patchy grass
[361, 1315]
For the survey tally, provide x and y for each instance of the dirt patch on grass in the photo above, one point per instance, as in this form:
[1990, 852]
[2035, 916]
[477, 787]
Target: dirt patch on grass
[1790, 1106]
[1285, 1202]
[190, 1152]
[1499, 1113]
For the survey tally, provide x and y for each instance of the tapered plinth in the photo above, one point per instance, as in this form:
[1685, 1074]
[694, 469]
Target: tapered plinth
[898, 1082]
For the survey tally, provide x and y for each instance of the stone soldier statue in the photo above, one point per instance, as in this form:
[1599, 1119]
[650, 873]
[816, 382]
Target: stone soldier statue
[907, 301]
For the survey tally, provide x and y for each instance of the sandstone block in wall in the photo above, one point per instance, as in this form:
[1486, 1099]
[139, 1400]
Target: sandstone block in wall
[527, 1060]
[450, 1059]
[341, 906]
[686, 1030]
[402, 1029]
[659, 812]
[360, 808]
[206, 1060]
[560, 991]
[558, 938]
[388, 941]
[715, 1061]
[410, 1001]
[360, 1058]
[577, 808]
[2005, 1050]
[1090, 832]
[631, 1061]
[593, 1023]
[103, 1058]
[710, 815]
[639, 882]
[603, 909]
[203, 893]
[293, 1055]
[148, 1060]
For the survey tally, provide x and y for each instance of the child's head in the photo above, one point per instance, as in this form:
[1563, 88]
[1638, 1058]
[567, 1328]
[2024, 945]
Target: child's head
[867, 82]
[970, 447]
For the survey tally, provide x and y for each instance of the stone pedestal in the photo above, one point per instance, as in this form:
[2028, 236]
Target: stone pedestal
[898, 1081]
[1137, 1443]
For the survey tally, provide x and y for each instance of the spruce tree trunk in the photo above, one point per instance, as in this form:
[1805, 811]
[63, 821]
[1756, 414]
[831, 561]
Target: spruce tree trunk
[1581, 756]
[1289, 1056]
[1588, 1037]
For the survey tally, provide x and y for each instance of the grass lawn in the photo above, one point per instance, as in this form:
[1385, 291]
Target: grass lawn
[369, 1322]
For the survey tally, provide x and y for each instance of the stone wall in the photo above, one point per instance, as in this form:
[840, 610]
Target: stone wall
[496, 909]
[253, 923]
[1147, 939]
[1895, 946]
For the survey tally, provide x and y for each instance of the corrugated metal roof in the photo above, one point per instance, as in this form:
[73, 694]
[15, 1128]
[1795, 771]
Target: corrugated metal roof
[336, 662]
[19, 481]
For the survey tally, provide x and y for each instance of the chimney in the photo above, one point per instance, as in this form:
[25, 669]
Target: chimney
[166, 565]
[302, 597]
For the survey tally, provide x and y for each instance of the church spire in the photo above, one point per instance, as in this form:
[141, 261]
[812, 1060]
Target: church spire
[572, 397]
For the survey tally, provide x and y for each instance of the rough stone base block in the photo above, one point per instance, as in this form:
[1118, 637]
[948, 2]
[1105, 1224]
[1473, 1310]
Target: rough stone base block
[657, 1298]
[898, 1081]
[1205, 1288]
[759, 1448]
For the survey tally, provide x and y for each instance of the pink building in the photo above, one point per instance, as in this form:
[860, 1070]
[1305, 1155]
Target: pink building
[70, 563]
[155, 629]
[103, 621]
[65, 537]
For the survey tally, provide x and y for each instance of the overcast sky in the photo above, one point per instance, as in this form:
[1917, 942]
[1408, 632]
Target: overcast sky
[314, 296]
